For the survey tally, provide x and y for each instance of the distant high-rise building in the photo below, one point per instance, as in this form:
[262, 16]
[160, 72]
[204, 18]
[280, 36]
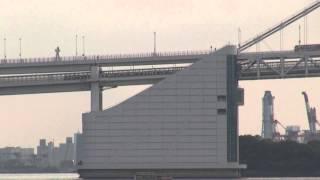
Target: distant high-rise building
[58, 157]
[52, 155]
[42, 142]
[67, 150]
[77, 147]
[43, 153]
[69, 140]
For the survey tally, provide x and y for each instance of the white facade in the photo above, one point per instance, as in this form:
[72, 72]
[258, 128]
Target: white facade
[179, 123]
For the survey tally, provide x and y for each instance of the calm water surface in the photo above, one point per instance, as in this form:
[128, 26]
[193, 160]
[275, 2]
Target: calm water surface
[76, 177]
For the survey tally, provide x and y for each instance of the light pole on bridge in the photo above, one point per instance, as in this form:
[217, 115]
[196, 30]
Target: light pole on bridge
[239, 37]
[299, 35]
[76, 44]
[5, 48]
[20, 48]
[154, 43]
[83, 46]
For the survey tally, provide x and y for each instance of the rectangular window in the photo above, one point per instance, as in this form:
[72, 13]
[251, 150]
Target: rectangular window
[222, 98]
[222, 111]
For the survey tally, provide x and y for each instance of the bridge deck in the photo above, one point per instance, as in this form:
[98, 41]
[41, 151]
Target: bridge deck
[69, 74]
[80, 81]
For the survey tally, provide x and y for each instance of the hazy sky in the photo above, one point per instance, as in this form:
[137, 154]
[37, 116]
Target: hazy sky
[123, 26]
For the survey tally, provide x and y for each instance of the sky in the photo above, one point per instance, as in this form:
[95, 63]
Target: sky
[122, 26]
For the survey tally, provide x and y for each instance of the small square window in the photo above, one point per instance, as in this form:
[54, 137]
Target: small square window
[222, 98]
[222, 111]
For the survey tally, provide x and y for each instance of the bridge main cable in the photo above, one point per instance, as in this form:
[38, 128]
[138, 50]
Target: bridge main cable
[315, 5]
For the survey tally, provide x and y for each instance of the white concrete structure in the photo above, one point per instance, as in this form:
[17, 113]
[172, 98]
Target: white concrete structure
[183, 126]
[268, 130]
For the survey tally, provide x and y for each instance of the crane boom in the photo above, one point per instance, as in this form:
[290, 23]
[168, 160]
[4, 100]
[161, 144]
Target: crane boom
[306, 99]
[279, 26]
[311, 114]
[279, 123]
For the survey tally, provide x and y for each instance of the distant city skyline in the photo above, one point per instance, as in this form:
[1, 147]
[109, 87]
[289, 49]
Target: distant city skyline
[118, 26]
[46, 155]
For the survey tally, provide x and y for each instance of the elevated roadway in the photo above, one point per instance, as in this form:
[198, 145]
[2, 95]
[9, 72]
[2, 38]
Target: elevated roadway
[80, 81]
[83, 63]
[67, 74]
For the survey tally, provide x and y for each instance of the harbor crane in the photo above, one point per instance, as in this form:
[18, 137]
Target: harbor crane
[276, 134]
[311, 114]
[276, 122]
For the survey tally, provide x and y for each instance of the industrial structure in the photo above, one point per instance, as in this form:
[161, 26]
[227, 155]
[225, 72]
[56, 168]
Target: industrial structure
[270, 125]
[268, 121]
[312, 133]
[184, 126]
[292, 132]
[311, 114]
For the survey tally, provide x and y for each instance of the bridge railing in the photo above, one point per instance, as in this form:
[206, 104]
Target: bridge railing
[102, 57]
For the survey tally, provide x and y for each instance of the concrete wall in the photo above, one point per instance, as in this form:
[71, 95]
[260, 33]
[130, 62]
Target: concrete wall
[178, 123]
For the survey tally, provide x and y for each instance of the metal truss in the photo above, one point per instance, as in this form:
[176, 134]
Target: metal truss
[281, 68]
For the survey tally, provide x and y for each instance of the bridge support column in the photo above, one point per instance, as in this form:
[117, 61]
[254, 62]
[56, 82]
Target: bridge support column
[282, 67]
[258, 72]
[306, 64]
[96, 90]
